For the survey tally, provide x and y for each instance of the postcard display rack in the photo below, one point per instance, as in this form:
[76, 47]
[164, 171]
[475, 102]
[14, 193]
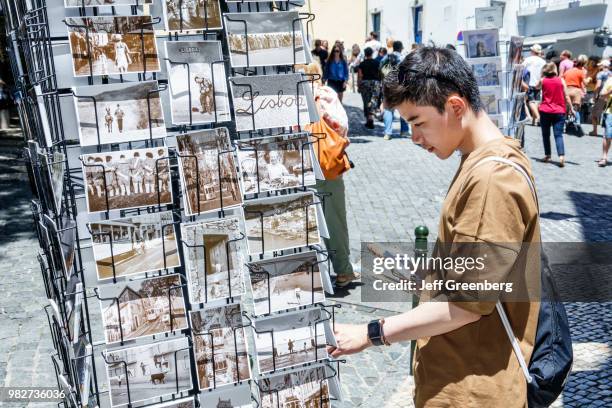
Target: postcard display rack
[174, 202]
[498, 70]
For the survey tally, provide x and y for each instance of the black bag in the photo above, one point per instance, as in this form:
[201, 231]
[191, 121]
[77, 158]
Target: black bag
[552, 357]
[572, 127]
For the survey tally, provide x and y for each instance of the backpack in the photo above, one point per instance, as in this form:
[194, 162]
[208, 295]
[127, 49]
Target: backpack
[390, 63]
[552, 357]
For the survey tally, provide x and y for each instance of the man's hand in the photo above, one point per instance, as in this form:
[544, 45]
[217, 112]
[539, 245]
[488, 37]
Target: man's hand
[351, 339]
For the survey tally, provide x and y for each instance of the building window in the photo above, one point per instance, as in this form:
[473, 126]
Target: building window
[418, 24]
[376, 23]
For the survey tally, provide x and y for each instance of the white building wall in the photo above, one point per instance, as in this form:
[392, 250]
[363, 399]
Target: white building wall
[396, 20]
[444, 19]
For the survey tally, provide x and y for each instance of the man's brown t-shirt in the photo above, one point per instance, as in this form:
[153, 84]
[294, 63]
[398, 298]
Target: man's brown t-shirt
[474, 366]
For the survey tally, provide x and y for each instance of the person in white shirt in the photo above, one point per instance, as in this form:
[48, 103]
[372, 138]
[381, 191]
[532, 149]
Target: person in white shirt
[373, 43]
[533, 65]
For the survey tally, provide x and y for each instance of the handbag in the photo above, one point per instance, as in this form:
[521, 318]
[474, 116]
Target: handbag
[551, 360]
[330, 149]
[572, 127]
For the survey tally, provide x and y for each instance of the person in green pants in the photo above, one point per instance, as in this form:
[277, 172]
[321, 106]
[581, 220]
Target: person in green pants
[338, 242]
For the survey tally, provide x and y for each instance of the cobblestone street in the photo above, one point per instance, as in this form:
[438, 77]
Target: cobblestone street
[394, 187]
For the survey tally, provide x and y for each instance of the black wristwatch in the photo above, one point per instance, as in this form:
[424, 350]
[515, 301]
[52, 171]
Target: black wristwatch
[376, 334]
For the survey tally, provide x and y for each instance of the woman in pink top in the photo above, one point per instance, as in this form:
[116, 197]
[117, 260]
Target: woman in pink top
[553, 110]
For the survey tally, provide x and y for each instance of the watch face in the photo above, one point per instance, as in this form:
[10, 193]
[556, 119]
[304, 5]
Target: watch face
[374, 333]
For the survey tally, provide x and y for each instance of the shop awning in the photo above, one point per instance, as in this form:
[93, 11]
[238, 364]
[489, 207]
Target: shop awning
[553, 38]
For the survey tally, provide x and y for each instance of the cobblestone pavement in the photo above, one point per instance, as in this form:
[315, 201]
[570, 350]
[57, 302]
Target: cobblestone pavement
[394, 187]
[25, 341]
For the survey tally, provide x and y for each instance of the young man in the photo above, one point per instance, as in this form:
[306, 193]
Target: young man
[463, 357]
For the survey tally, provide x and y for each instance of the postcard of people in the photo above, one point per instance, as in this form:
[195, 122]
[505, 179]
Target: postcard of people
[127, 179]
[112, 45]
[198, 85]
[119, 113]
[264, 39]
[275, 163]
[292, 339]
[208, 171]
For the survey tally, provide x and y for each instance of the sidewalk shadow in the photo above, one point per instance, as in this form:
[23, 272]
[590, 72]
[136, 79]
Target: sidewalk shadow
[357, 125]
[15, 196]
[593, 213]
[340, 293]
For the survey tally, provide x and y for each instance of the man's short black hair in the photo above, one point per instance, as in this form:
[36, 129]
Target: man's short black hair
[368, 52]
[398, 46]
[428, 76]
[374, 35]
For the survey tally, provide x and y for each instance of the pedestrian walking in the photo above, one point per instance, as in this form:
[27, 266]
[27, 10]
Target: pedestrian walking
[320, 52]
[606, 92]
[368, 79]
[373, 42]
[463, 355]
[533, 66]
[566, 62]
[382, 53]
[552, 110]
[575, 80]
[387, 65]
[600, 102]
[336, 71]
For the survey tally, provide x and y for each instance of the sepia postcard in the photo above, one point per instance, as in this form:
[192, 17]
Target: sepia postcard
[134, 245]
[213, 256]
[154, 370]
[112, 45]
[220, 346]
[119, 113]
[286, 282]
[208, 171]
[198, 85]
[265, 38]
[141, 308]
[275, 163]
[127, 179]
[280, 223]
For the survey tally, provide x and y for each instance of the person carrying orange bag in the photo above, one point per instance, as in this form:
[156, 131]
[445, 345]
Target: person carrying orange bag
[332, 134]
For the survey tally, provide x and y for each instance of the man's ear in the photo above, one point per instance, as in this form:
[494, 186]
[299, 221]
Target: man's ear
[457, 105]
